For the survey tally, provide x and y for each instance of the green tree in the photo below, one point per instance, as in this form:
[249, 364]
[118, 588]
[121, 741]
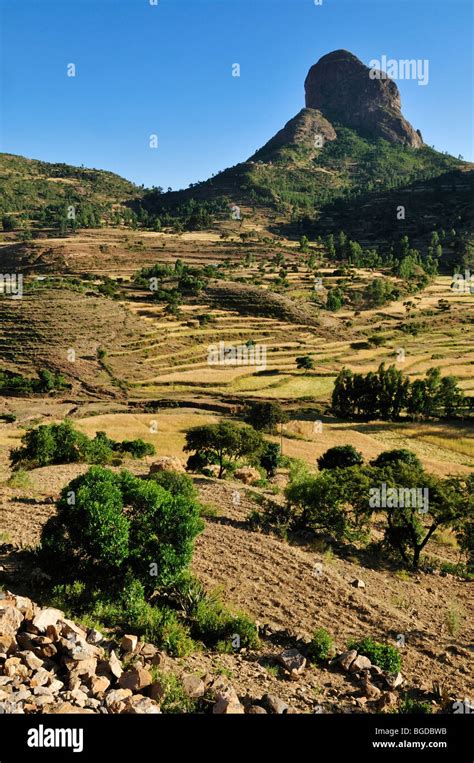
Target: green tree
[265, 416]
[305, 362]
[340, 457]
[224, 443]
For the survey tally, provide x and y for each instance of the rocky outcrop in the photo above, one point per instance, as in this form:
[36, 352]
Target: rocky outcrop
[339, 85]
[308, 129]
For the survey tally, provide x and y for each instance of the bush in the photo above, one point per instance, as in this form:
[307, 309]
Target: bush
[214, 624]
[340, 457]
[387, 657]
[321, 646]
[393, 457]
[270, 458]
[63, 444]
[117, 527]
[137, 448]
[410, 706]
[175, 483]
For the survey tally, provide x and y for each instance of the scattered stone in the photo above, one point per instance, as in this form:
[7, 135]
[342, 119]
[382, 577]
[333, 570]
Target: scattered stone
[114, 665]
[10, 620]
[358, 583]
[293, 661]
[141, 705]
[274, 704]
[360, 663]
[193, 687]
[129, 643]
[136, 679]
[395, 680]
[345, 659]
[256, 710]
[45, 617]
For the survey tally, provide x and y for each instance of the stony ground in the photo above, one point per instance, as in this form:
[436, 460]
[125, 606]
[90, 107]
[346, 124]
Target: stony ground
[292, 589]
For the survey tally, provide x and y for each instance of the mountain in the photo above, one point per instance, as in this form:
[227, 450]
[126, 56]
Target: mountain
[346, 91]
[350, 140]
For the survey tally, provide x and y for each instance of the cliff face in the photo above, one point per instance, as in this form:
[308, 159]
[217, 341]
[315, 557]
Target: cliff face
[340, 87]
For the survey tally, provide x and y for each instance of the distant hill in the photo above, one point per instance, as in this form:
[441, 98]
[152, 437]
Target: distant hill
[28, 187]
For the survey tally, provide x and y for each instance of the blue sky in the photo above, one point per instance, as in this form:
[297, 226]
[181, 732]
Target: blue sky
[167, 70]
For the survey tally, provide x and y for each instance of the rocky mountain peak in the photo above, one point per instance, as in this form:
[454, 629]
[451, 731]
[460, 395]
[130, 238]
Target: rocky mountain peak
[339, 85]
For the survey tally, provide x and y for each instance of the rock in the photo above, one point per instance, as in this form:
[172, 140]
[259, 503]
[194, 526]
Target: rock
[343, 90]
[25, 606]
[7, 643]
[31, 660]
[147, 651]
[98, 684]
[56, 685]
[228, 705]
[358, 583]
[370, 691]
[274, 704]
[139, 704]
[115, 700]
[129, 643]
[67, 707]
[14, 668]
[79, 697]
[85, 668]
[94, 636]
[167, 464]
[40, 678]
[193, 687]
[248, 475]
[293, 661]
[156, 691]
[345, 659]
[114, 665]
[136, 679]
[388, 699]
[360, 663]
[45, 617]
[394, 680]
[10, 620]
[256, 710]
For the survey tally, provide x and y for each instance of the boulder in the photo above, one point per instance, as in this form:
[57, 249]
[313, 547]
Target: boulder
[274, 704]
[136, 679]
[10, 620]
[345, 659]
[167, 464]
[248, 475]
[193, 686]
[129, 643]
[45, 617]
[360, 663]
[293, 661]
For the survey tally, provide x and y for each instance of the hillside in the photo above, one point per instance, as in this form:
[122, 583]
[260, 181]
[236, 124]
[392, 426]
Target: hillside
[32, 190]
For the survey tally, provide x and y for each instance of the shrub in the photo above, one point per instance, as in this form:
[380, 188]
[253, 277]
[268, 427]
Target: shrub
[340, 456]
[410, 706]
[63, 444]
[393, 457]
[214, 624]
[174, 698]
[321, 646]
[117, 527]
[270, 458]
[137, 448]
[175, 483]
[387, 657]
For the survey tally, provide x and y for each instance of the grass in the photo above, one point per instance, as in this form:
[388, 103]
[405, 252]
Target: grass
[453, 620]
